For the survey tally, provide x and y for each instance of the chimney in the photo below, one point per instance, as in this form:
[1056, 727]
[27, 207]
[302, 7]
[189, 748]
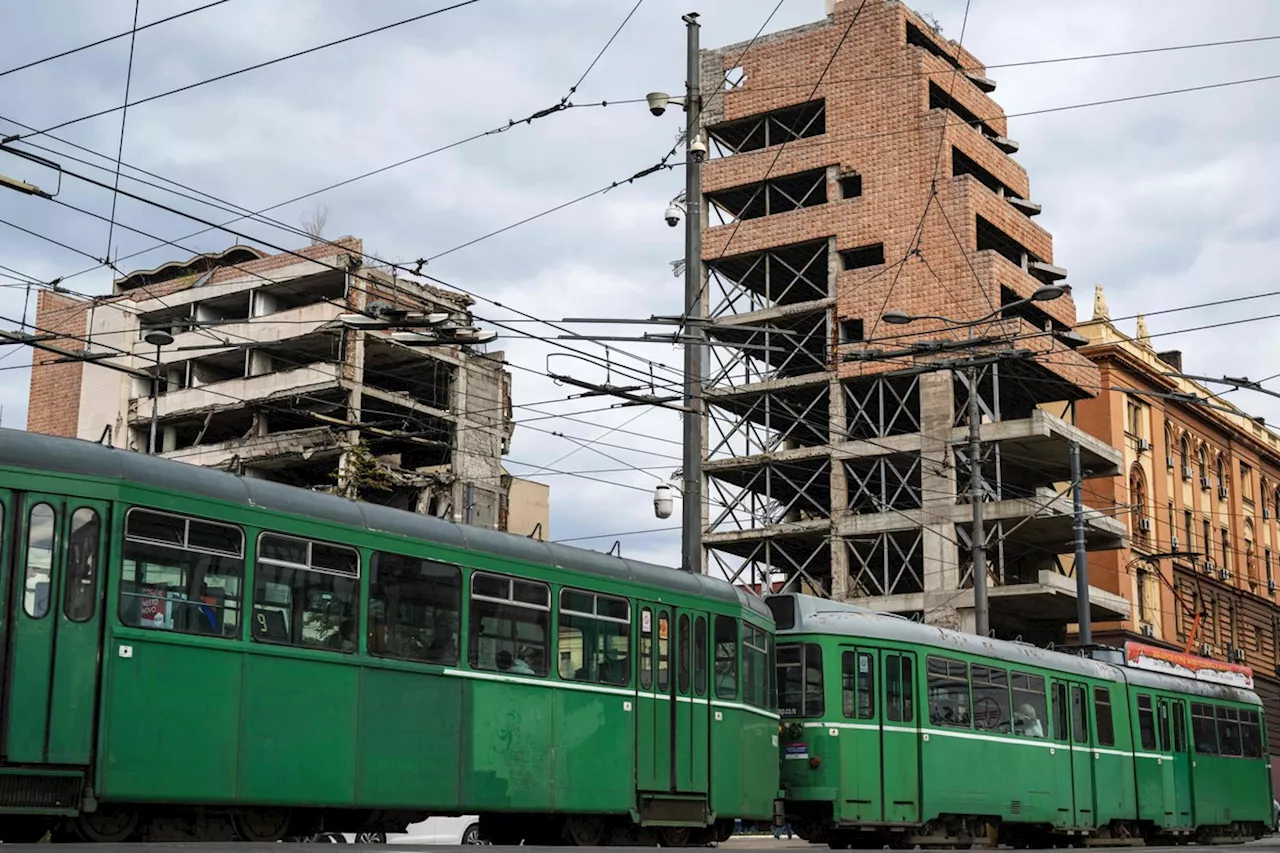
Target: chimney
[831, 7]
[1173, 358]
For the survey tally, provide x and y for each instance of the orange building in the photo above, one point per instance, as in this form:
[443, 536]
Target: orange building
[1201, 497]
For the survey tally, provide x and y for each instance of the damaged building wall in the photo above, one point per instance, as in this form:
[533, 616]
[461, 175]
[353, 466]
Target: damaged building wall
[263, 378]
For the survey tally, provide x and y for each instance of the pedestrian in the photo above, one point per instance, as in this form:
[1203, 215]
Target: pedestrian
[778, 830]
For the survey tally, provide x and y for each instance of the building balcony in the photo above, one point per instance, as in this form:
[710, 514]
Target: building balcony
[236, 392]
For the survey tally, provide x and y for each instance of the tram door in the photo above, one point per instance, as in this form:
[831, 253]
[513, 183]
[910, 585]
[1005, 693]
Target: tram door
[672, 708]
[54, 618]
[900, 738]
[1060, 753]
[1180, 762]
[1082, 759]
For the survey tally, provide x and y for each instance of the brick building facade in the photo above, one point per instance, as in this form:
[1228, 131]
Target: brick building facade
[892, 188]
[1200, 494]
[264, 378]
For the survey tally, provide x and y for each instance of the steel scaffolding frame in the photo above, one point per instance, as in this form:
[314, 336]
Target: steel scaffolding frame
[769, 494]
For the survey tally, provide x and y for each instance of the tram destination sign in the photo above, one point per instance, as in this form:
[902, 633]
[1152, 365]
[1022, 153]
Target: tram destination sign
[1156, 659]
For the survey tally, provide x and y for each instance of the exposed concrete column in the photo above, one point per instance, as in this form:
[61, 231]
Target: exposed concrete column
[938, 488]
[839, 491]
[457, 464]
[168, 439]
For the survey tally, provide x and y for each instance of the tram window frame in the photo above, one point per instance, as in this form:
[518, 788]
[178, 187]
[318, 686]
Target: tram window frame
[899, 689]
[993, 683]
[1163, 725]
[1146, 721]
[508, 597]
[1251, 735]
[646, 648]
[1027, 691]
[801, 688]
[944, 677]
[1179, 726]
[1204, 729]
[700, 655]
[311, 572]
[664, 651]
[401, 585]
[858, 685]
[209, 549]
[1079, 714]
[758, 683]
[84, 550]
[1229, 741]
[33, 606]
[684, 668]
[1061, 713]
[1103, 719]
[600, 622]
[726, 666]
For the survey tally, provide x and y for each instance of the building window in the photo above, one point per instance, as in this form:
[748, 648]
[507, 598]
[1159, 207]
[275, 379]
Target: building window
[1202, 459]
[1184, 452]
[1207, 541]
[1226, 549]
[1168, 446]
[1266, 566]
[1138, 504]
[1222, 476]
[1189, 530]
[1250, 565]
[1246, 483]
[1135, 418]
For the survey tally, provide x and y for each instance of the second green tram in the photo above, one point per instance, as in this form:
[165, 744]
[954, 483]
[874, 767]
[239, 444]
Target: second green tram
[895, 732]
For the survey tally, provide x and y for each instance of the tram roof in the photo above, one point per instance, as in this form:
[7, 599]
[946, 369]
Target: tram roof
[89, 459]
[821, 616]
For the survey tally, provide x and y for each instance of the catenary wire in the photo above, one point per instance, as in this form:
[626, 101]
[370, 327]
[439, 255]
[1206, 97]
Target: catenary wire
[124, 114]
[458, 5]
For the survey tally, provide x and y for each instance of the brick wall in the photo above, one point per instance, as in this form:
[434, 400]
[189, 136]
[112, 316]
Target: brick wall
[53, 406]
[878, 124]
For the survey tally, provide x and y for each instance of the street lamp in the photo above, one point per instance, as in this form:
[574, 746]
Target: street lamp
[978, 545]
[691, 316]
[157, 338]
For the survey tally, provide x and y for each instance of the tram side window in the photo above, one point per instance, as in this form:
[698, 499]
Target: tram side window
[510, 624]
[181, 574]
[1228, 731]
[1146, 722]
[646, 648]
[948, 692]
[800, 690]
[414, 609]
[726, 658]
[755, 666]
[80, 596]
[305, 593]
[858, 678]
[1102, 716]
[700, 656]
[1162, 718]
[1204, 729]
[1250, 734]
[684, 669]
[991, 699]
[1179, 727]
[1030, 717]
[899, 695]
[1060, 715]
[41, 522]
[595, 638]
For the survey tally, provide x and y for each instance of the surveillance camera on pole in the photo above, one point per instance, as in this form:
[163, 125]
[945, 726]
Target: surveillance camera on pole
[698, 149]
[658, 102]
[662, 501]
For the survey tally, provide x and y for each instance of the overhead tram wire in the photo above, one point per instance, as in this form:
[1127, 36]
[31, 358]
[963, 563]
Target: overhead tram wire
[457, 5]
[124, 114]
[591, 357]
[132, 32]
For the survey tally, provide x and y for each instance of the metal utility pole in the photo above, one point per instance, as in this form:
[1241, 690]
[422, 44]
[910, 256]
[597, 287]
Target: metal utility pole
[691, 537]
[157, 338]
[1082, 562]
[978, 545]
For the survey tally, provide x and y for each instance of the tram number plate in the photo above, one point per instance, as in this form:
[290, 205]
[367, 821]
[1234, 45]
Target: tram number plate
[646, 622]
[796, 751]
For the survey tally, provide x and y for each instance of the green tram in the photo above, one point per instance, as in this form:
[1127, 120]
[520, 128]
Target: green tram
[192, 654]
[895, 732]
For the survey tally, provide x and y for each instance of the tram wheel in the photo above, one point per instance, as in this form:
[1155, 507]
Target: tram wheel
[261, 825]
[586, 830]
[106, 826]
[371, 838]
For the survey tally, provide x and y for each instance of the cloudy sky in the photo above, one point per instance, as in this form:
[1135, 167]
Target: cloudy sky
[1166, 201]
